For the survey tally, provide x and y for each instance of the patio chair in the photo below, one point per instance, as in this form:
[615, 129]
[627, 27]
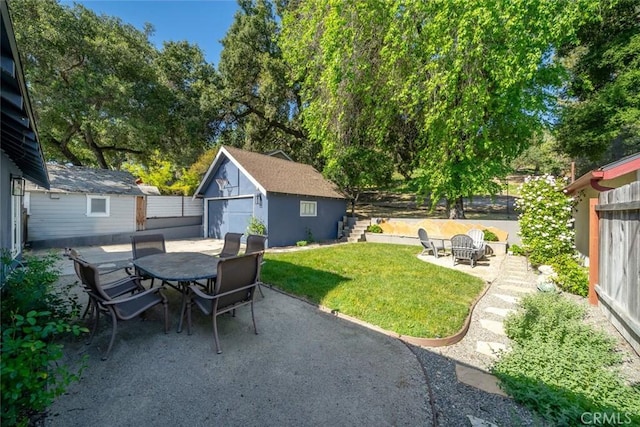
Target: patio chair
[231, 245]
[478, 241]
[255, 244]
[113, 288]
[235, 286]
[147, 244]
[428, 244]
[123, 308]
[462, 248]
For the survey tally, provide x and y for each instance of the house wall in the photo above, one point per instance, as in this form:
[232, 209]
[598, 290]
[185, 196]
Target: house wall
[7, 167]
[286, 226]
[66, 217]
[581, 214]
[230, 209]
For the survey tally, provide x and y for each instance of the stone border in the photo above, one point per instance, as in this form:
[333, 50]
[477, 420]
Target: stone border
[421, 342]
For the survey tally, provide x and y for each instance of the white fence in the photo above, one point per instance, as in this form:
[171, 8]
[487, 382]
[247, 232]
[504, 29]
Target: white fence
[173, 206]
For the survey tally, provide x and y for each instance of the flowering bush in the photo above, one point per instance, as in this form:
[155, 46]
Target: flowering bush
[546, 222]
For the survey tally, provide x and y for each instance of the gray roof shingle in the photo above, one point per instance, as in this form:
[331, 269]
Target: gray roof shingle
[78, 179]
[278, 175]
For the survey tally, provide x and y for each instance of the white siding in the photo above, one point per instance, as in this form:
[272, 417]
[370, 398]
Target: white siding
[193, 207]
[67, 216]
[173, 206]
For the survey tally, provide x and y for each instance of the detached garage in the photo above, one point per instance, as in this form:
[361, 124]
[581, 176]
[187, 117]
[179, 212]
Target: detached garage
[292, 200]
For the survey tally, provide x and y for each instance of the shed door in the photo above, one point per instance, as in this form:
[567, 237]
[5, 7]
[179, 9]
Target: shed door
[229, 215]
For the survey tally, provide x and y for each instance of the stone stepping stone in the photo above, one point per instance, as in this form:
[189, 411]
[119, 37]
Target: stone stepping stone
[479, 422]
[494, 326]
[479, 379]
[508, 298]
[499, 311]
[522, 281]
[516, 289]
[489, 348]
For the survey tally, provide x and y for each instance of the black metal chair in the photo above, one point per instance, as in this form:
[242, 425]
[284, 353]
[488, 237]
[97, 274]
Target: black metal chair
[256, 244]
[113, 288]
[123, 308]
[144, 245]
[235, 286]
[231, 245]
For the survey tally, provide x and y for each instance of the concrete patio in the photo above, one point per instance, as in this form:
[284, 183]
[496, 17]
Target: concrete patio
[305, 367]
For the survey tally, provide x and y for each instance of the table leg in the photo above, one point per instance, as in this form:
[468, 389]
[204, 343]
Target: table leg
[184, 288]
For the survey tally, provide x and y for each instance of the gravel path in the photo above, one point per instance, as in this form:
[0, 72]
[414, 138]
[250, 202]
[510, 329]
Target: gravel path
[456, 403]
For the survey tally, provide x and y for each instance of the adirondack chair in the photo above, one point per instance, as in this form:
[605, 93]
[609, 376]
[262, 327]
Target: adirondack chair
[462, 248]
[478, 241]
[428, 244]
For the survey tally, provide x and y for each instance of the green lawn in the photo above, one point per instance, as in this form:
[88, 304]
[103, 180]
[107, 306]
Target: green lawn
[383, 284]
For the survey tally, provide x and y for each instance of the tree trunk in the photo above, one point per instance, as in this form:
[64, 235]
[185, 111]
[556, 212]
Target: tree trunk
[457, 210]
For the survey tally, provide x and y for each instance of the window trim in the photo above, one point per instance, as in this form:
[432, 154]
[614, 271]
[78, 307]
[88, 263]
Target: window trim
[98, 214]
[308, 203]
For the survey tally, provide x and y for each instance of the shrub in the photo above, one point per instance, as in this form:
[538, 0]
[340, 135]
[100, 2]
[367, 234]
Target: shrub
[562, 368]
[256, 226]
[32, 288]
[545, 218]
[30, 379]
[302, 243]
[490, 236]
[517, 250]
[374, 228]
[34, 313]
[570, 276]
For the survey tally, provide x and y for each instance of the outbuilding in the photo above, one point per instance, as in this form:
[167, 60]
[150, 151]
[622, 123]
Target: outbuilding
[83, 206]
[292, 200]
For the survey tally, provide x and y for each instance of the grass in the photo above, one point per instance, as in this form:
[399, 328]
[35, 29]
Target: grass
[382, 284]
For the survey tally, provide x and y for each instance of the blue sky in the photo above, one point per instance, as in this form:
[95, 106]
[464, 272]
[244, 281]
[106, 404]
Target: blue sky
[202, 22]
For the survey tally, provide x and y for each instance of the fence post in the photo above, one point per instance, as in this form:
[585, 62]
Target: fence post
[594, 248]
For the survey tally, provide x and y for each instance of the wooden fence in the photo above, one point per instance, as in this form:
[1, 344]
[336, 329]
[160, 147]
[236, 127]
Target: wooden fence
[619, 258]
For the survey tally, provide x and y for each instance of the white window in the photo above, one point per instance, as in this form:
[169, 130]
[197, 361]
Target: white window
[97, 205]
[308, 208]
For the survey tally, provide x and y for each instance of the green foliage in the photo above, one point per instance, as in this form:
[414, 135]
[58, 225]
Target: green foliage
[570, 276]
[103, 93]
[411, 82]
[30, 379]
[490, 236]
[517, 250]
[381, 284]
[302, 243]
[546, 218]
[257, 105]
[256, 226]
[310, 238]
[560, 367]
[34, 313]
[600, 121]
[32, 288]
[542, 157]
[374, 228]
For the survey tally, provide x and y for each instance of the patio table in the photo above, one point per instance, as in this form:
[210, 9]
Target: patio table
[181, 267]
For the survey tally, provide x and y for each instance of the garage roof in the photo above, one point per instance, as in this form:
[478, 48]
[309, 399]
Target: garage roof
[274, 174]
[79, 179]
